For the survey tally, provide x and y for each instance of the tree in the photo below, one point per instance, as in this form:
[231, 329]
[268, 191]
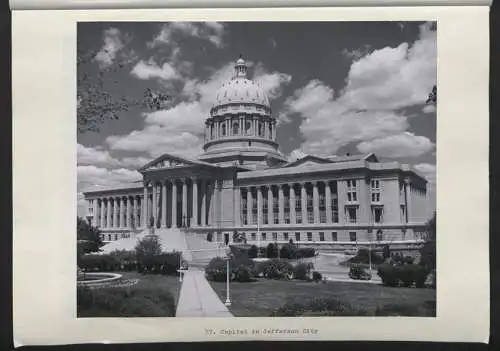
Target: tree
[428, 250]
[432, 99]
[148, 247]
[88, 237]
[95, 104]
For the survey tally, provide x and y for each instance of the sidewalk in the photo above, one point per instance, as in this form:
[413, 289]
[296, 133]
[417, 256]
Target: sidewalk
[198, 299]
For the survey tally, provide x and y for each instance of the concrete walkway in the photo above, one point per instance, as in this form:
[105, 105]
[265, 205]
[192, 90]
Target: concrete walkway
[198, 299]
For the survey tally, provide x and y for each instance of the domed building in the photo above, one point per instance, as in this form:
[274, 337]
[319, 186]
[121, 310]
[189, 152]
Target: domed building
[241, 129]
[242, 183]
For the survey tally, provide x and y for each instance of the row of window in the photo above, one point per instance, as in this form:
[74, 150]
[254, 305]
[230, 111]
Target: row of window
[297, 236]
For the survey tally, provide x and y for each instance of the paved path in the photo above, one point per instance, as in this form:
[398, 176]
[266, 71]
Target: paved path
[198, 299]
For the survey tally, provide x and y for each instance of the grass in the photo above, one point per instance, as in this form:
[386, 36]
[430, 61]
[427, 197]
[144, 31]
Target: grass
[261, 298]
[152, 296]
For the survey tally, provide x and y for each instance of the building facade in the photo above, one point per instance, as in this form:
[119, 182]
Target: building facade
[241, 182]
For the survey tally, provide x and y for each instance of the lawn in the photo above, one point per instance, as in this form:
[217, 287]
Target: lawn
[262, 297]
[156, 281]
[153, 296]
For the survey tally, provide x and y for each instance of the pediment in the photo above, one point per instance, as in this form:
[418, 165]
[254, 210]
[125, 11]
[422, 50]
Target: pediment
[308, 161]
[166, 162]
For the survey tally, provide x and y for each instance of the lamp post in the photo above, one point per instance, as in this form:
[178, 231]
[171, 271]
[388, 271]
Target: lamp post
[228, 257]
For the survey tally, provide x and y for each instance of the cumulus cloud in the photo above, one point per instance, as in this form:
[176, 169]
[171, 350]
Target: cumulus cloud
[93, 177]
[398, 145]
[378, 86]
[295, 155]
[94, 156]
[150, 69]
[428, 171]
[113, 43]
[429, 109]
[211, 31]
[392, 78]
[180, 128]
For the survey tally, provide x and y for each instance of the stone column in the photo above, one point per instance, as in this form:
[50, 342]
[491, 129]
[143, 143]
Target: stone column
[281, 203]
[101, 220]
[328, 200]
[409, 204]
[154, 212]
[174, 205]
[266, 129]
[134, 212]
[164, 204]
[108, 212]
[270, 218]
[195, 202]
[121, 216]
[315, 202]
[203, 214]
[237, 207]
[144, 216]
[184, 200]
[259, 205]
[249, 205]
[116, 223]
[342, 198]
[95, 217]
[303, 202]
[292, 204]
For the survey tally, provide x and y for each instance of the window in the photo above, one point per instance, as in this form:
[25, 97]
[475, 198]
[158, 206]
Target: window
[352, 195]
[298, 217]
[265, 208]
[264, 236]
[244, 209]
[334, 236]
[235, 128]
[297, 236]
[285, 236]
[352, 236]
[335, 210]
[310, 217]
[375, 190]
[109, 237]
[275, 236]
[309, 236]
[261, 129]
[380, 235]
[248, 126]
[223, 130]
[116, 236]
[287, 216]
[254, 236]
[352, 214]
[377, 214]
[276, 219]
[321, 236]
[322, 206]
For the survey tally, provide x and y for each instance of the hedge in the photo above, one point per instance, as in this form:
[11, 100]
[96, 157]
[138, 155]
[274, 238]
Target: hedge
[405, 275]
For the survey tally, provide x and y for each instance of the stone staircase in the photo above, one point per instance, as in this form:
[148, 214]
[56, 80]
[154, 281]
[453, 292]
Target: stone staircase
[199, 250]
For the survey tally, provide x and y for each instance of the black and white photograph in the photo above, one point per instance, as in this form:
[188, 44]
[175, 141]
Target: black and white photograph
[256, 169]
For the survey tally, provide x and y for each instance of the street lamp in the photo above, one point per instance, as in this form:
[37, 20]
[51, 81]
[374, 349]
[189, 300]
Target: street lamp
[228, 257]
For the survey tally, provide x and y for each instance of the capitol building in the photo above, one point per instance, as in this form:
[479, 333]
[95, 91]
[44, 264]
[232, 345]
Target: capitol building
[241, 182]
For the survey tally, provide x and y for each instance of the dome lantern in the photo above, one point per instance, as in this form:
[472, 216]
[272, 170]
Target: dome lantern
[240, 68]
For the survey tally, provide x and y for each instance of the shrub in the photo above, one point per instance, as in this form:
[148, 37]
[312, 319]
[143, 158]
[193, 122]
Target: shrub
[316, 276]
[103, 263]
[243, 274]
[317, 306]
[216, 270]
[305, 252]
[301, 271]
[170, 263]
[288, 251]
[147, 248]
[252, 251]
[389, 274]
[275, 269]
[363, 256]
[272, 251]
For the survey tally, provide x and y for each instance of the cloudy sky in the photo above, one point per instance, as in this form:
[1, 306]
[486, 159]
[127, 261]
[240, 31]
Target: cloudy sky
[336, 88]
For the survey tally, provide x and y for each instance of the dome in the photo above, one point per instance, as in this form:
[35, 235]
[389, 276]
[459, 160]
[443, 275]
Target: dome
[239, 89]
